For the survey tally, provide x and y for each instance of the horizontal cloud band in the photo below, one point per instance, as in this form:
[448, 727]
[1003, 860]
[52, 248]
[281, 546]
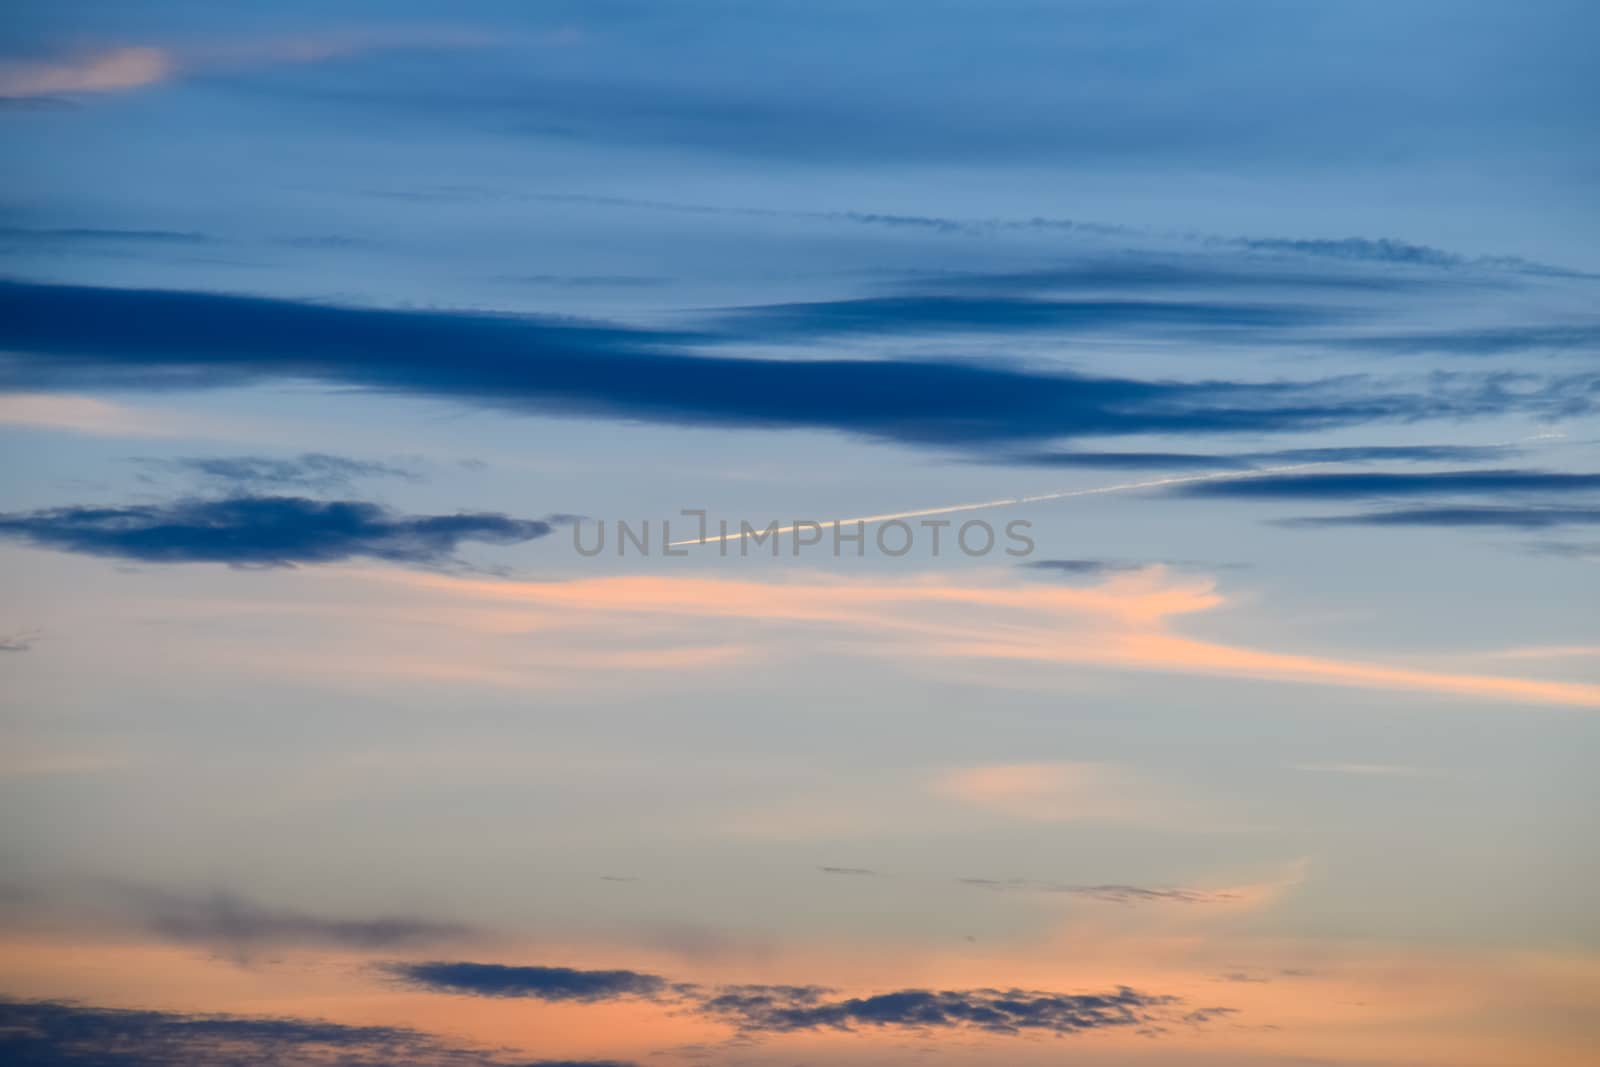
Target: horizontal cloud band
[89, 338]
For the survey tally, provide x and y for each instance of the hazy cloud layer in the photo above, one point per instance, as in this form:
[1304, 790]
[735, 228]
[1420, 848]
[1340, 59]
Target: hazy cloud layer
[240, 925]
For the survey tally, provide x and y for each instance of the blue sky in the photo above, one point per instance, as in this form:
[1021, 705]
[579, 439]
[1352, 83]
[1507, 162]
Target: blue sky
[322, 334]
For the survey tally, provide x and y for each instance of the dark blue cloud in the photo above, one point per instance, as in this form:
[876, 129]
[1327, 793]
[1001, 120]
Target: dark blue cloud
[1101, 460]
[1356, 485]
[782, 1009]
[262, 531]
[94, 339]
[1246, 460]
[1485, 515]
[931, 313]
[539, 983]
[57, 1034]
[1560, 339]
[1388, 250]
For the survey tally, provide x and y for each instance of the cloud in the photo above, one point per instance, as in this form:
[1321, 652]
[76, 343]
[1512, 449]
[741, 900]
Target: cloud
[1125, 269]
[1087, 568]
[854, 871]
[1051, 792]
[240, 925]
[789, 1008]
[1369, 770]
[1587, 553]
[1573, 338]
[56, 1034]
[99, 72]
[1116, 894]
[94, 338]
[1246, 460]
[1389, 250]
[930, 313]
[136, 66]
[1486, 515]
[1355, 485]
[538, 983]
[88, 415]
[309, 470]
[103, 236]
[262, 531]
[785, 1009]
[18, 640]
[1124, 623]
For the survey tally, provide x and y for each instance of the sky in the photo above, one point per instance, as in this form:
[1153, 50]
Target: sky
[695, 534]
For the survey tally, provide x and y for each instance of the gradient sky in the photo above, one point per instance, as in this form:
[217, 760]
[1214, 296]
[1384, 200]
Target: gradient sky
[323, 332]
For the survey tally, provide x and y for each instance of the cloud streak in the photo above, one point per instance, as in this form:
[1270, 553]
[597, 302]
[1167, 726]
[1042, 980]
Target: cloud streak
[240, 925]
[1355, 485]
[91, 338]
[537, 983]
[100, 72]
[1505, 516]
[54, 1034]
[777, 1009]
[788, 1009]
[1122, 624]
[263, 531]
[309, 470]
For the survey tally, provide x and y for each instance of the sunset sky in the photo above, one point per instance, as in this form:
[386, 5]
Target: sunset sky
[1216, 677]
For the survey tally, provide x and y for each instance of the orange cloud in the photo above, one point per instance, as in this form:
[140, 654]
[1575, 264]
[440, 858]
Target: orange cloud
[108, 71]
[1123, 623]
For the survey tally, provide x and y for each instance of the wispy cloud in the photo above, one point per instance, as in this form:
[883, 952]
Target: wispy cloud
[1355, 485]
[129, 67]
[1246, 460]
[19, 640]
[1369, 770]
[1121, 624]
[1116, 894]
[90, 415]
[309, 470]
[98, 72]
[241, 926]
[1510, 516]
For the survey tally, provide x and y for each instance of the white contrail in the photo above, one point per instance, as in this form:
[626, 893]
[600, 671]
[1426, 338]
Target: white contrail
[1062, 495]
